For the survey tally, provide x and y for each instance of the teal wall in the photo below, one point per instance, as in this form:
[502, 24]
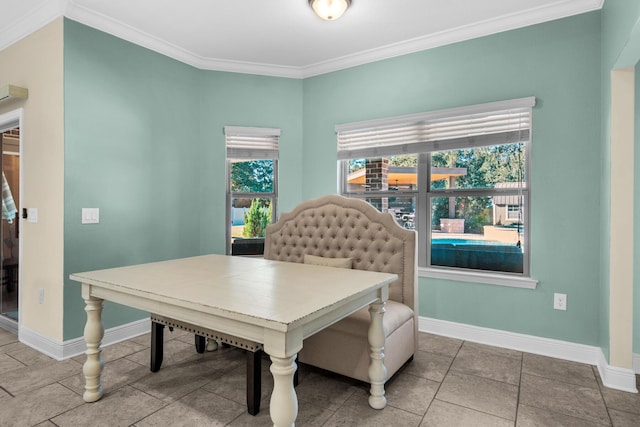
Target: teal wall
[144, 142]
[619, 18]
[558, 63]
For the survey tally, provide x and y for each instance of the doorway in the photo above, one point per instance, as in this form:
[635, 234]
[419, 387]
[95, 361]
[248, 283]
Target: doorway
[10, 226]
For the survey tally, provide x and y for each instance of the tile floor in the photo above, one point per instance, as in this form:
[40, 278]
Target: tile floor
[449, 383]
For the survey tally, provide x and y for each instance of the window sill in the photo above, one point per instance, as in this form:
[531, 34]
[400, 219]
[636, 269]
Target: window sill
[477, 277]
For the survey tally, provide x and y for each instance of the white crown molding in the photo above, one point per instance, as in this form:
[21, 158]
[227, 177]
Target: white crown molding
[53, 9]
[45, 13]
[612, 376]
[60, 350]
[455, 35]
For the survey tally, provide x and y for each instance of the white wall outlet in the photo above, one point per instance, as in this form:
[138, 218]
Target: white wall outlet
[560, 301]
[90, 215]
[40, 295]
[32, 215]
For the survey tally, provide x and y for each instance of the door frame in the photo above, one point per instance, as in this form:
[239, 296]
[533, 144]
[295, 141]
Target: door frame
[10, 120]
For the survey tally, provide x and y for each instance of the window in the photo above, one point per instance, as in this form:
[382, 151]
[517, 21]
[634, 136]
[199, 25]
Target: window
[252, 187]
[458, 176]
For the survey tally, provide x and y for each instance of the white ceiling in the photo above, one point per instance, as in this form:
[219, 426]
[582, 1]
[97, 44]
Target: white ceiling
[284, 37]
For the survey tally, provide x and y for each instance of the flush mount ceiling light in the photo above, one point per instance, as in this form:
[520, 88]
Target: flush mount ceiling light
[329, 9]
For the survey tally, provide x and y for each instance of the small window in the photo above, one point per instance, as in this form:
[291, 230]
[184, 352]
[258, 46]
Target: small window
[252, 170]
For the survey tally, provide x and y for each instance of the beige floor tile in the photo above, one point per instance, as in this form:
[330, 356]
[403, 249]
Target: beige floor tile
[443, 414]
[7, 337]
[233, 385]
[8, 364]
[438, 344]
[28, 355]
[488, 362]
[199, 408]
[116, 351]
[624, 419]
[177, 380]
[123, 408]
[428, 365]
[209, 389]
[309, 415]
[410, 393]
[621, 400]
[262, 418]
[482, 394]
[325, 389]
[577, 401]
[24, 380]
[174, 352]
[528, 416]
[559, 370]
[115, 375]
[4, 395]
[38, 406]
[12, 346]
[489, 349]
[357, 412]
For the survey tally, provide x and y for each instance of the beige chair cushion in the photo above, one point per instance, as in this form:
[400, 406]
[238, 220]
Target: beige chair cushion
[327, 262]
[395, 315]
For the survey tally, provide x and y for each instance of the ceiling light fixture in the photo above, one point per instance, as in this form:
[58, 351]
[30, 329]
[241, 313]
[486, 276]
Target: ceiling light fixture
[329, 9]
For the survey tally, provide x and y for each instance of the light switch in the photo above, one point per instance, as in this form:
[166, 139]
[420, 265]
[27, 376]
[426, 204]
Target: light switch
[32, 215]
[90, 215]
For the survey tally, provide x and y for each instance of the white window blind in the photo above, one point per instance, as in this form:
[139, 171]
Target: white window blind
[251, 143]
[465, 127]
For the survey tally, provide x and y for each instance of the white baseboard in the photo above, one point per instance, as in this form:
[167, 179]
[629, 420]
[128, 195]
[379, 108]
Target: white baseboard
[612, 376]
[61, 350]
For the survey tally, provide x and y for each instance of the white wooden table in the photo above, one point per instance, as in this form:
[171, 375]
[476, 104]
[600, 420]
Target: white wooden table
[275, 303]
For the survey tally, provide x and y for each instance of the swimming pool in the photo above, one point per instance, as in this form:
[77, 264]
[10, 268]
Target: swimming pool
[448, 241]
[477, 255]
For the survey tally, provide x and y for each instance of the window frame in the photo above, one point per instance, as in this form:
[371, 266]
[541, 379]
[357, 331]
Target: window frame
[425, 193]
[265, 146]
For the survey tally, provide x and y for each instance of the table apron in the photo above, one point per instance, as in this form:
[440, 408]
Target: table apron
[328, 319]
[235, 327]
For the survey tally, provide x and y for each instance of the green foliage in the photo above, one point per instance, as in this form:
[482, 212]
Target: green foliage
[403, 160]
[486, 166]
[255, 176]
[256, 219]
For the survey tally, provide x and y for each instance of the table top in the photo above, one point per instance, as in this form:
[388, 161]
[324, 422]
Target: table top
[240, 287]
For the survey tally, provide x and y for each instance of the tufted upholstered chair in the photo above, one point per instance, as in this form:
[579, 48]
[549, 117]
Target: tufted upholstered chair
[339, 227]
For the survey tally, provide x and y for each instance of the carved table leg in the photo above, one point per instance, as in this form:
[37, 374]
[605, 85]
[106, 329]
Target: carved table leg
[93, 334]
[284, 402]
[377, 370]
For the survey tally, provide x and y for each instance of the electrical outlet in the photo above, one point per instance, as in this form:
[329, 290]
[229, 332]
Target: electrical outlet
[560, 301]
[40, 295]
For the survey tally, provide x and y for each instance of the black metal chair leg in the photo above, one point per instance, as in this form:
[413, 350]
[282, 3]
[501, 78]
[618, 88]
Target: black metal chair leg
[254, 381]
[157, 341]
[201, 343]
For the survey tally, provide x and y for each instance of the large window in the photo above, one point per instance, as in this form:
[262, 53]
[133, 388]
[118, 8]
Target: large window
[459, 177]
[252, 184]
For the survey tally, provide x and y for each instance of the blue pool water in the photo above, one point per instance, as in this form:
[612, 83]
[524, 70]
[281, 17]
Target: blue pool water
[469, 242]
